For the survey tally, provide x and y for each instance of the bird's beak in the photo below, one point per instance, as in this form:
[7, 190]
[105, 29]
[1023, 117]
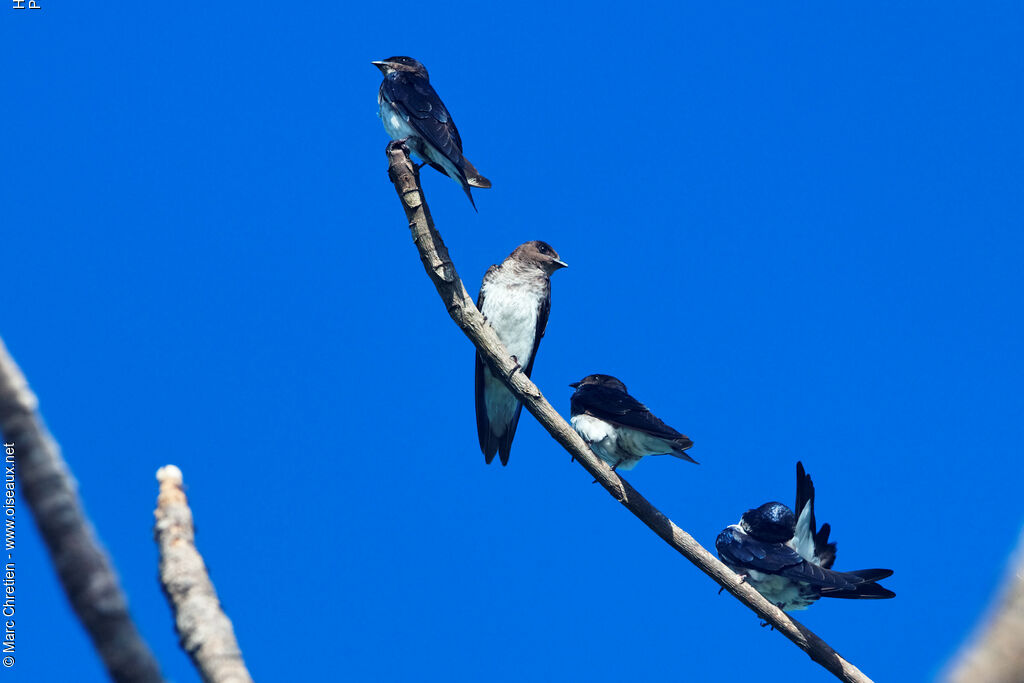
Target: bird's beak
[575, 385]
[381, 65]
[561, 264]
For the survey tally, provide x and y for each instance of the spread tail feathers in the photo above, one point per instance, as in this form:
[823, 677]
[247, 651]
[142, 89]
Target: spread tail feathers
[809, 538]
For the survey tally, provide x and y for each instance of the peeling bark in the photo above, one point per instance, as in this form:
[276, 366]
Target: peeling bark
[205, 631]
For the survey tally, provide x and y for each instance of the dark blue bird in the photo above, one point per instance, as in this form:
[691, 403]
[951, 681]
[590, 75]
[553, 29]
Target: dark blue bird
[617, 427]
[412, 111]
[788, 560]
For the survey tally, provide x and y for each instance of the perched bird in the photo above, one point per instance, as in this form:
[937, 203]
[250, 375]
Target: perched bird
[617, 427]
[515, 298]
[788, 560]
[412, 111]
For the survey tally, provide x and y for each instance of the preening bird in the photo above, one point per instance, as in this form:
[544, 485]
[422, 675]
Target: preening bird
[617, 427]
[788, 560]
[412, 111]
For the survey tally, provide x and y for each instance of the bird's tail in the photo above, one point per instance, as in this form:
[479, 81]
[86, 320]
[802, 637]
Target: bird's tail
[469, 194]
[680, 449]
[683, 456]
[809, 540]
[473, 176]
[866, 591]
[865, 587]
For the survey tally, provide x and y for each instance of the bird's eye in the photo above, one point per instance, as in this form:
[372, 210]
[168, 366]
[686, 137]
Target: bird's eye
[543, 249]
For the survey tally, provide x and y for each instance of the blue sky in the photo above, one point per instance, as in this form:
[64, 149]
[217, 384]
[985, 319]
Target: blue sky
[794, 232]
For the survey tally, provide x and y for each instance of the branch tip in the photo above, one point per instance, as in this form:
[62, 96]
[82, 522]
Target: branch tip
[169, 475]
[204, 630]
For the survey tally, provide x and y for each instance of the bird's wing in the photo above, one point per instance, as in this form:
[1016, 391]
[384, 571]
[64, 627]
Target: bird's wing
[809, 541]
[825, 579]
[488, 444]
[417, 102]
[739, 549]
[542, 324]
[621, 409]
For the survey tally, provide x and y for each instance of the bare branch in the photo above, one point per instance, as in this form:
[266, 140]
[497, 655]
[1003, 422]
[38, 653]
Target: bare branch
[82, 565]
[205, 631]
[996, 653]
[463, 311]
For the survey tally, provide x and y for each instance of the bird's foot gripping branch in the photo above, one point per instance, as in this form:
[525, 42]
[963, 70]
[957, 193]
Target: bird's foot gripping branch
[462, 310]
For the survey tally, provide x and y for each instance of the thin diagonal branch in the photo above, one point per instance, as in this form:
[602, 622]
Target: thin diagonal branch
[463, 311]
[205, 631]
[995, 654]
[83, 567]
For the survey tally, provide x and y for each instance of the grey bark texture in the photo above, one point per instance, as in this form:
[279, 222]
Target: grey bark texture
[205, 631]
[461, 308]
[83, 567]
[996, 653]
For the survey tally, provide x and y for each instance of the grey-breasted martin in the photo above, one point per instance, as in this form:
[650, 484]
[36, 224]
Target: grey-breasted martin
[788, 560]
[617, 427]
[412, 111]
[515, 298]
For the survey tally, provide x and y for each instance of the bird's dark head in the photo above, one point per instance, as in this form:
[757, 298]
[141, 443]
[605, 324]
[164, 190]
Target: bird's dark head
[601, 381]
[407, 64]
[771, 523]
[539, 254]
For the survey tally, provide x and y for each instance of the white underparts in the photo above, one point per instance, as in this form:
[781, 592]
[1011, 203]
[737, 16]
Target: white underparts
[619, 446]
[399, 129]
[511, 306]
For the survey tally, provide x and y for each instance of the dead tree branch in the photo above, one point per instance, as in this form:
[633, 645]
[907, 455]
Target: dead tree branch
[996, 653]
[205, 631]
[463, 311]
[82, 565]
